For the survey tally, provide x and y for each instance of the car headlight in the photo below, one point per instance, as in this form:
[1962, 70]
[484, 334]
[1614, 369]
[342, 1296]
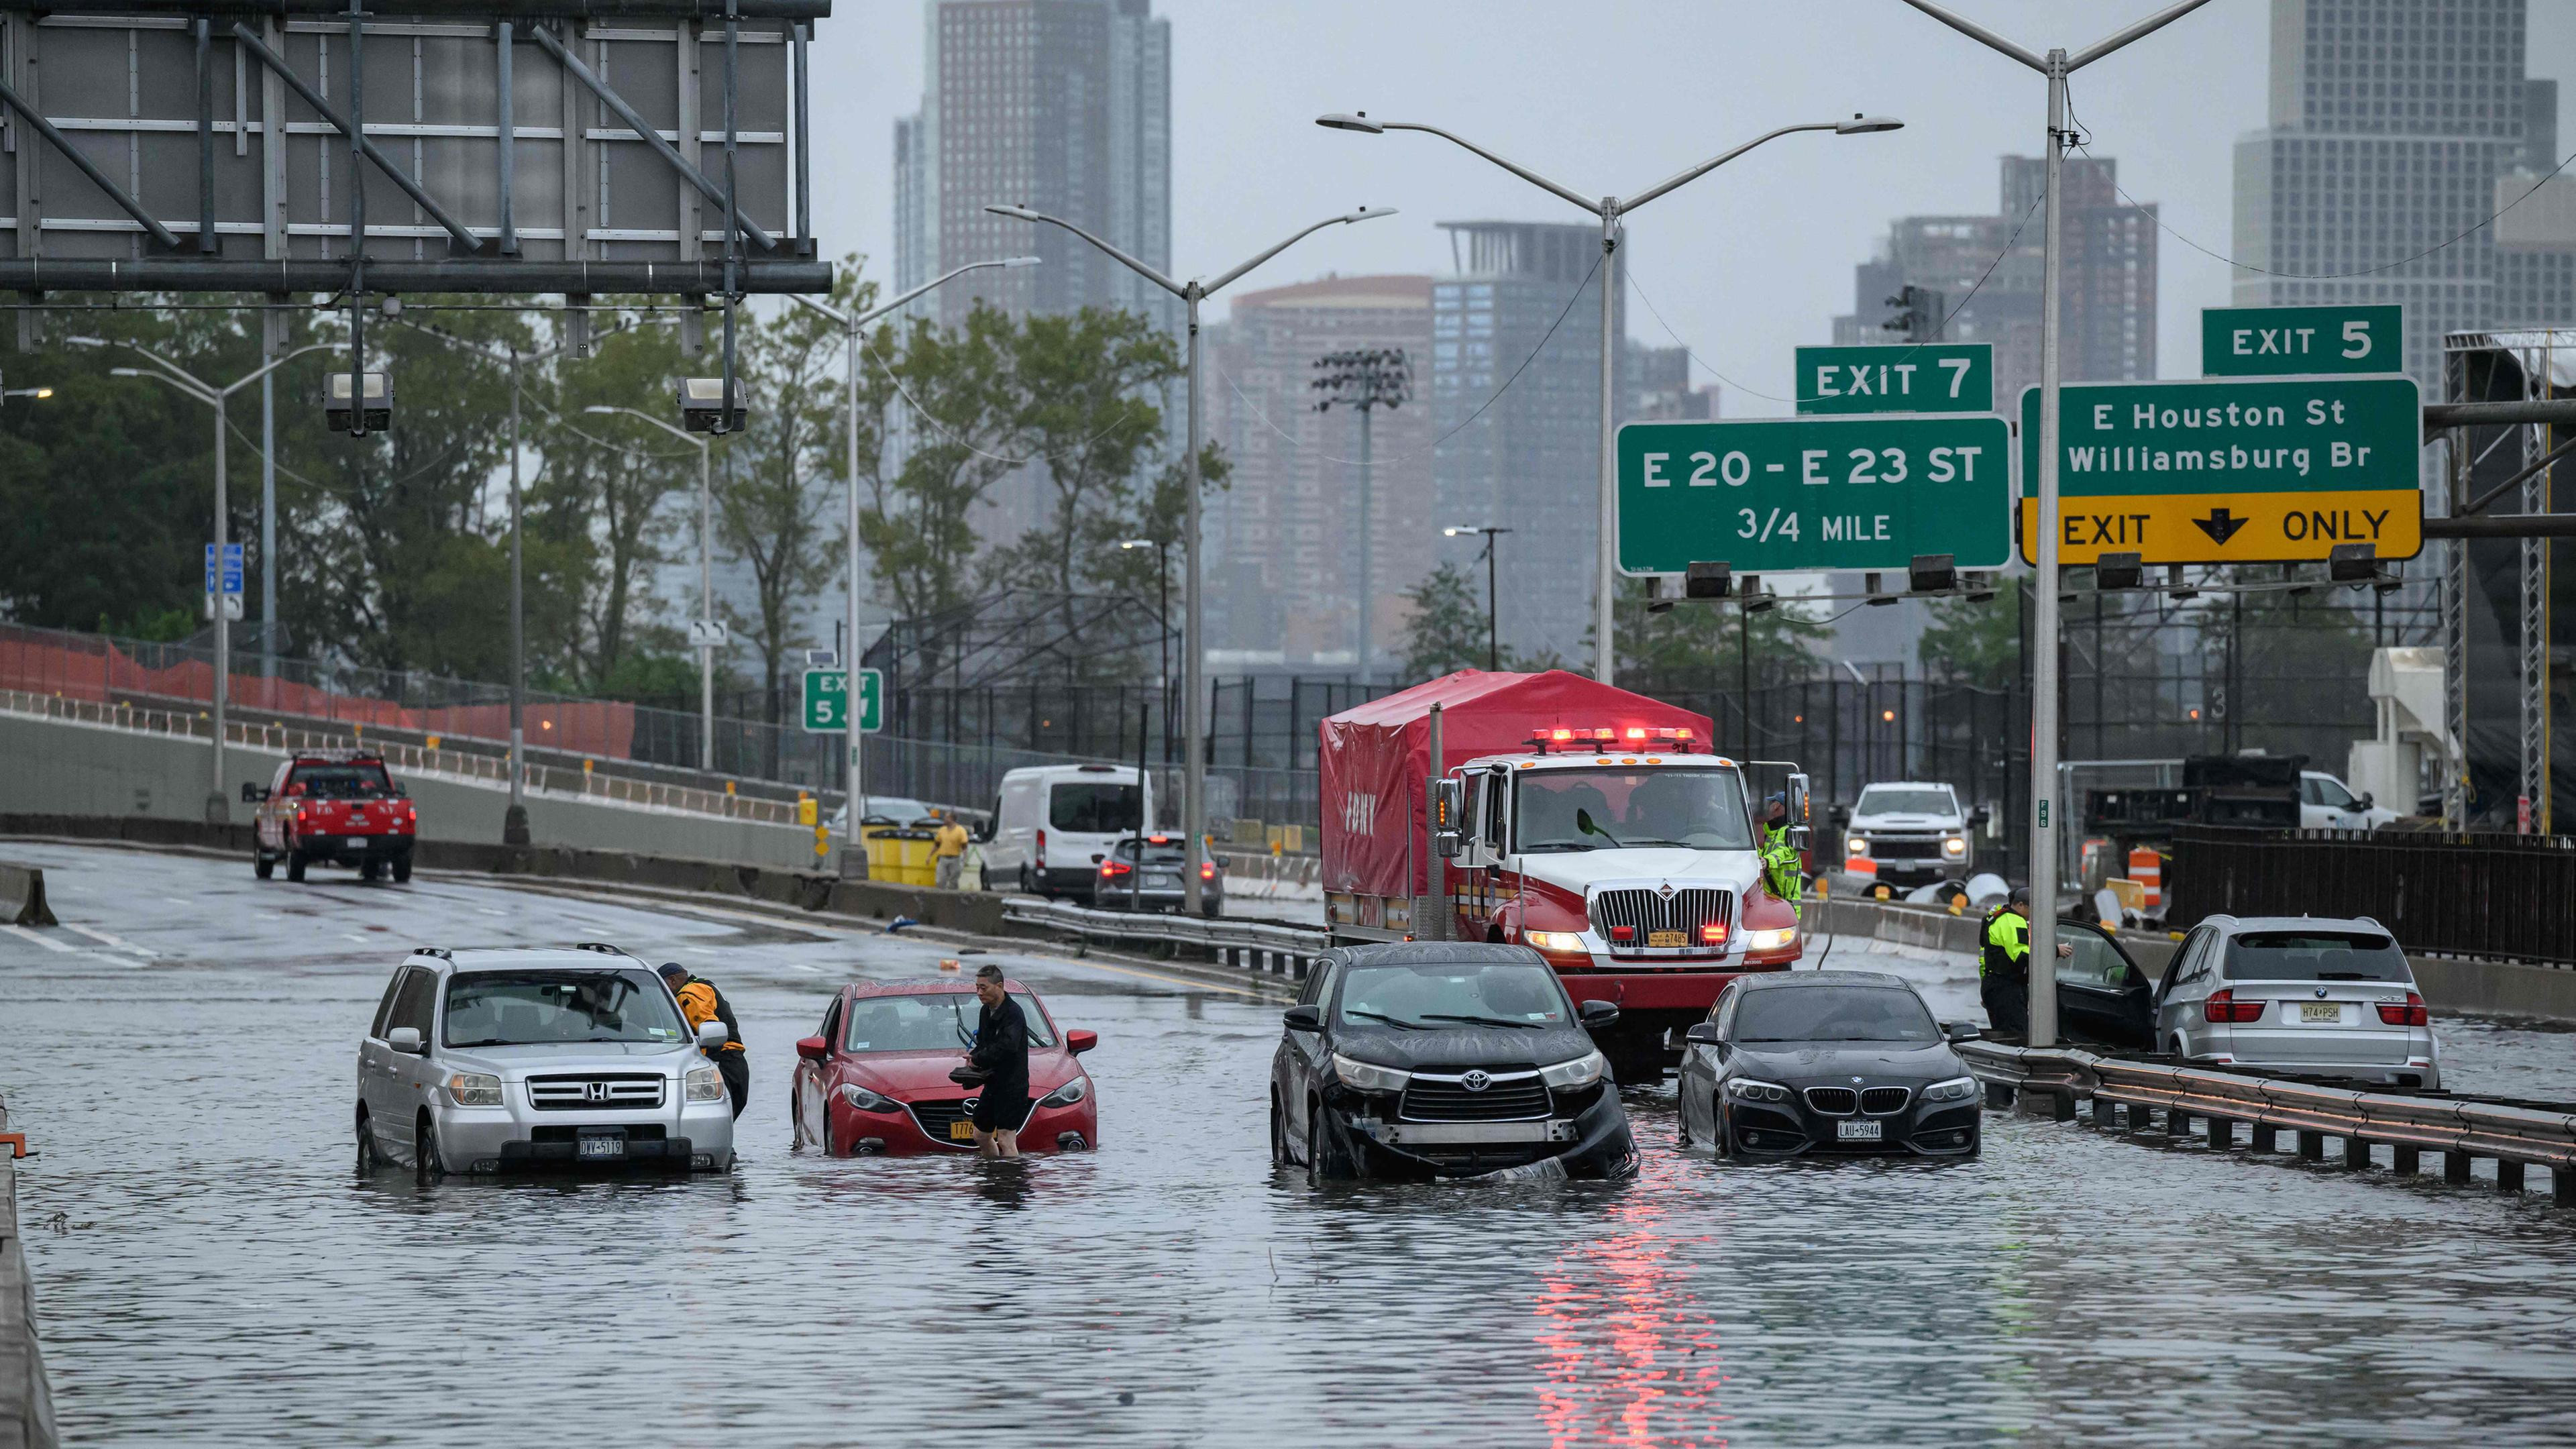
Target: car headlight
[705, 1084]
[1771, 940]
[474, 1089]
[1553, 940]
[1954, 845]
[1368, 1076]
[1068, 1094]
[861, 1098]
[1583, 1071]
[1856, 846]
[1745, 1089]
[1957, 1089]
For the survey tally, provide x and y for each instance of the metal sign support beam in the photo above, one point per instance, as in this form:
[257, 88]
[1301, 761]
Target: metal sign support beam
[590, 80]
[162, 237]
[466, 241]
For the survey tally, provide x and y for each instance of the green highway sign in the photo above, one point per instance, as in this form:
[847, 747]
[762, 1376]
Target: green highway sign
[1931, 377]
[827, 693]
[2230, 470]
[1784, 495]
[2301, 341]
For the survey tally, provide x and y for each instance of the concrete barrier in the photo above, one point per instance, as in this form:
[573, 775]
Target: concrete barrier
[22, 896]
[26, 1401]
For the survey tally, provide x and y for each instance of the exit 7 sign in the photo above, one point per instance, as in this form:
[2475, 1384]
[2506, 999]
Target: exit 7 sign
[827, 698]
[1930, 377]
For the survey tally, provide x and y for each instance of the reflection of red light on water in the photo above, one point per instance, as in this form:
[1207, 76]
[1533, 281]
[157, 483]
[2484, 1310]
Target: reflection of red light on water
[1629, 1355]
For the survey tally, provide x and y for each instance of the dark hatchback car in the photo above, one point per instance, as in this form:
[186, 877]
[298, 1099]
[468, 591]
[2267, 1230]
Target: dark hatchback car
[1146, 875]
[1827, 1062]
[1421, 1060]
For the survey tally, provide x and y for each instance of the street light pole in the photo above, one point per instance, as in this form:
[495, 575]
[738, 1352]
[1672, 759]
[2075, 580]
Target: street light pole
[706, 576]
[1610, 209]
[855, 791]
[1193, 639]
[1162, 629]
[1493, 599]
[2057, 65]
[218, 805]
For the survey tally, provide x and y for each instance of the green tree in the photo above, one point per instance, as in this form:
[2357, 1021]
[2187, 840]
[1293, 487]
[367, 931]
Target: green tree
[1082, 381]
[1977, 643]
[1700, 645]
[1445, 628]
[918, 524]
[600, 506]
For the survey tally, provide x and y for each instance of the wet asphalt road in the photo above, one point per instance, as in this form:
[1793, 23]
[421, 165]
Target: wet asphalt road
[209, 1268]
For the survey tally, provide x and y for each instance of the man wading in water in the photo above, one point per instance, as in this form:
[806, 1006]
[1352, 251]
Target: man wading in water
[1002, 1053]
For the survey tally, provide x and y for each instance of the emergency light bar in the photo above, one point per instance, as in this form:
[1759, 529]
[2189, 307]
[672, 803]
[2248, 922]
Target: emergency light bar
[1601, 740]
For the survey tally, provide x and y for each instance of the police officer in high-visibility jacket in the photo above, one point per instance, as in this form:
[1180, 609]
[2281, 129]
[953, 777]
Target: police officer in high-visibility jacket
[2003, 967]
[700, 1002]
[1782, 869]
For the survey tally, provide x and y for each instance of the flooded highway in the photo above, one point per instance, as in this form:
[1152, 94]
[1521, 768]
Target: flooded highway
[210, 1269]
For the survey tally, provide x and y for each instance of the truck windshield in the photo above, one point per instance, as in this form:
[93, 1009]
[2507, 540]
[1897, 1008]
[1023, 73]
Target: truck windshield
[342, 782]
[534, 1008]
[1697, 809]
[1897, 800]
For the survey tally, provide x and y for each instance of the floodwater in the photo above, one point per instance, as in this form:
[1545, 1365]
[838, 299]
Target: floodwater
[210, 1269]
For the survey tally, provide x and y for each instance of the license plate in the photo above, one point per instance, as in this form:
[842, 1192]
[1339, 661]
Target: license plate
[603, 1147]
[1857, 1131]
[2320, 1011]
[357, 842]
[961, 1130]
[1668, 938]
[1162, 882]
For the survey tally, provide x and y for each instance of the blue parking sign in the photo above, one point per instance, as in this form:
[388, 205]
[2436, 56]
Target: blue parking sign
[232, 569]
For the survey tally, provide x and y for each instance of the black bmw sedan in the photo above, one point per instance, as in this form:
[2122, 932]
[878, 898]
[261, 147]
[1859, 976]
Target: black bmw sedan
[1827, 1062]
[1427, 1059]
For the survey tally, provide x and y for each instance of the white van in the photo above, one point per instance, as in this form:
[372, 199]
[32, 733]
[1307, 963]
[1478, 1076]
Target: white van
[1054, 824]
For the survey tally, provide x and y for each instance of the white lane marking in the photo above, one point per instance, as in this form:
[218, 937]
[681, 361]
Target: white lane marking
[354, 936]
[23, 932]
[487, 910]
[700, 950]
[794, 965]
[118, 942]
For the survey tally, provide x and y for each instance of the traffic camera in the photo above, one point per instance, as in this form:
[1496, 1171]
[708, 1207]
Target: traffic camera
[377, 398]
[702, 405]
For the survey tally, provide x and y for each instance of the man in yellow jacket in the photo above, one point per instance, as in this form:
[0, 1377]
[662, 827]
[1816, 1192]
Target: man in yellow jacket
[700, 1002]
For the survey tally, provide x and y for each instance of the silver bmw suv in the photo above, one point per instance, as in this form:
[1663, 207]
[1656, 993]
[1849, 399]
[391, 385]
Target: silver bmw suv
[481, 1061]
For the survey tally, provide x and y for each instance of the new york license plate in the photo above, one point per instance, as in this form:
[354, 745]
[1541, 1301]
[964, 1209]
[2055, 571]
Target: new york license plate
[961, 1130]
[1668, 938]
[357, 842]
[1857, 1131]
[603, 1147]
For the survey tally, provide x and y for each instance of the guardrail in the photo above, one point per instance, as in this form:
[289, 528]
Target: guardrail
[418, 759]
[26, 1401]
[2126, 1094]
[1253, 945]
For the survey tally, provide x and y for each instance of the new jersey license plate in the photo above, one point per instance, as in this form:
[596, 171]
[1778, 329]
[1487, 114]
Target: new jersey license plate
[1857, 1131]
[357, 842]
[2320, 1011]
[1668, 938]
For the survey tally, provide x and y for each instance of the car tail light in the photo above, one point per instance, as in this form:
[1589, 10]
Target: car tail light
[1111, 869]
[1623, 934]
[2222, 1006]
[2409, 1012]
[1207, 870]
[1713, 933]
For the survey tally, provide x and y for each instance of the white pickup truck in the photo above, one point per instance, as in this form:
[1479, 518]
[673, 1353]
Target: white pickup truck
[1912, 833]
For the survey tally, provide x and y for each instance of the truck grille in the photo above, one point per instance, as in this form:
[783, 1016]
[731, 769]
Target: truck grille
[935, 1117]
[1514, 1099]
[1904, 844]
[1649, 911]
[1833, 1101]
[1885, 1101]
[607, 1092]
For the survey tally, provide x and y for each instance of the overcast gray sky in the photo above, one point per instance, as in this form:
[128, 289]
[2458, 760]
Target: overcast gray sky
[1612, 96]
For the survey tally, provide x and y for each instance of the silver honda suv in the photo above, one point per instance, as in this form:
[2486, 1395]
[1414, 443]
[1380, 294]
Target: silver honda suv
[481, 1061]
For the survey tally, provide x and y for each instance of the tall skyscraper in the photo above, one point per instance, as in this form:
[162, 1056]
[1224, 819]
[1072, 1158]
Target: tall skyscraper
[1060, 105]
[2109, 277]
[1283, 537]
[2390, 125]
[1528, 459]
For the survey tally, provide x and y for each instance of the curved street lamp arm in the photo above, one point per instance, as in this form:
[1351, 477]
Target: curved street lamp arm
[934, 283]
[2143, 28]
[182, 383]
[1130, 263]
[1345, 219]
[180, 374]
[1981, 35]
[1590, 204]
[281, 362]
[685, 436]
[1714, 162]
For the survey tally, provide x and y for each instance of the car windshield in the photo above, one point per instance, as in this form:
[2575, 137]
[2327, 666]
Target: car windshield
[2316, 956]
[536, 1008]
[1834, 1013]
[1700, 809]
[342, 782]
[1089, 807]
[1895, 800]
[1448, 994]
[929, 1022]
[1166, 851]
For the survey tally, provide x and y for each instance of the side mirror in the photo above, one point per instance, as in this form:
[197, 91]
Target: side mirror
[1078, 1042]
[1800, 837]
[401, 790]
[1304, 1018]
[712, 1034]
[1959, 1031]
[405, 1039]
[813, 1048]
[1704, 1033]
[1802, 806]
[254, 793]
[1979, 818]
[2368, 800]
[1448, 809]
[1597, 1014]
[1840, 815]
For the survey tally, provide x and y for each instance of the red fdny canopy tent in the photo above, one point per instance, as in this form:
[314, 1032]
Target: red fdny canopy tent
[1376, 757]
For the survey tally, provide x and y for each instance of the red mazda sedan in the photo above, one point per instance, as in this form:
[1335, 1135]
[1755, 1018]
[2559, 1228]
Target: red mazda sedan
[875, 1079]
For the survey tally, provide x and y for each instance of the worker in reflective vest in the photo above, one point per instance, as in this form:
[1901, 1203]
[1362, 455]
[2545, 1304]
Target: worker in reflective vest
[1782, 870]
[2003, 967]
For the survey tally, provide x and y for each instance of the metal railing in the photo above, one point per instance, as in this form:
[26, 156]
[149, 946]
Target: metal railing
[2506, 896]
[1254, 945]
[2515, 1135]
